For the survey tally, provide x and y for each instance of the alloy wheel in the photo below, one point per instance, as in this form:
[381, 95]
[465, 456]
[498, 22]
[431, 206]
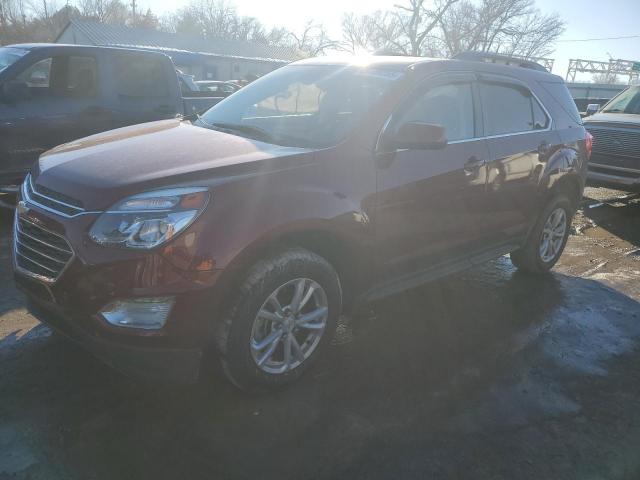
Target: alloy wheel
[553, 234]
[289, 326]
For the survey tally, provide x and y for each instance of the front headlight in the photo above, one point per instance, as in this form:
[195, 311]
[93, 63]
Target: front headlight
[149, 219]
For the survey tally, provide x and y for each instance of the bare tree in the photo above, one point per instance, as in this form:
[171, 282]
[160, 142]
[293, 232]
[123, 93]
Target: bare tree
[513, 27]
[418, 24]
[409, 28]
[312, 40]
[104, 11]
[214, 18]
[608, 78]
[147, 20]
[379, 31]
[447, 27]
[219, 19]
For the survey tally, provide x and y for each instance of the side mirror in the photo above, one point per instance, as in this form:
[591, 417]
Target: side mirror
[13, 91]
[420, 136]
[592, 108]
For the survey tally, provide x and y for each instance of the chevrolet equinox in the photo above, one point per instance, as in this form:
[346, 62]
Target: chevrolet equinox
[323, 185]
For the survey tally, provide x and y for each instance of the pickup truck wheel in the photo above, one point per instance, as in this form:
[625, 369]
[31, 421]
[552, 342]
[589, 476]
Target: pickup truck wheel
[547, 239]
[283, 315]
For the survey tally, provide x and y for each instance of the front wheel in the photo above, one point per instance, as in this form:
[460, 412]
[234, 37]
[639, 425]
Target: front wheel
[547, 239]
[282, 317]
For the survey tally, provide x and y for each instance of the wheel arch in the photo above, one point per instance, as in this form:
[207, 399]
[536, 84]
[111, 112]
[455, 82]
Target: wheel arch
[344, 251]
[570, 185]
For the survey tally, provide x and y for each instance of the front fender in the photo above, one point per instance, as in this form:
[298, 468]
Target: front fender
[256, 210]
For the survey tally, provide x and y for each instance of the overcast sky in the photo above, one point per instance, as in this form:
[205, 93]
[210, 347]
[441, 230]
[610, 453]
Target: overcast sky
[585, 19]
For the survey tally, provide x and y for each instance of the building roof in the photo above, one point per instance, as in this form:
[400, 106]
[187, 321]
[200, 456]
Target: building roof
[122, 36]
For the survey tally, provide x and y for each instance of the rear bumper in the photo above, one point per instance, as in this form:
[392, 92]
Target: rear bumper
[159, 363]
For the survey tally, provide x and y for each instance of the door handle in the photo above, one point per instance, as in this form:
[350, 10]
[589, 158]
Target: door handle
[472, 165]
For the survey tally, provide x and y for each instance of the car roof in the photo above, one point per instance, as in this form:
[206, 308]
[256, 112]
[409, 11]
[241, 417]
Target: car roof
[63, 46]
[399, 62]
[403, 63]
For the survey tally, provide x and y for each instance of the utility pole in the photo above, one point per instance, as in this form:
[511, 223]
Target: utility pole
[133, 8]
[3, 21]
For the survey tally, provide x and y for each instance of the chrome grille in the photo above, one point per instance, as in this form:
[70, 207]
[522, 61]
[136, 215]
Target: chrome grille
[49, 200]
[612, 141]
[39, 252]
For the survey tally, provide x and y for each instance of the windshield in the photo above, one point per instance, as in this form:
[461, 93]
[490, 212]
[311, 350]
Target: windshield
[302, 105]
[9, 56]
[627, 102]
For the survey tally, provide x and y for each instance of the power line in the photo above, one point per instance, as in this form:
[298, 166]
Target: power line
[602, 38]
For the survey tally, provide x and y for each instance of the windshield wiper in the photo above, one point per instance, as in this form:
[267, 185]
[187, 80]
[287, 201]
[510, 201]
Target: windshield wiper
[251, 130]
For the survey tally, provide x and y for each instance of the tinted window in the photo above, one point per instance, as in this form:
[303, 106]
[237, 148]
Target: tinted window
[140, 76]
[540, 119]
[37, 75]
[450, 106]
[510, 109]
[62, 76]
[82, 77]
[560, 93]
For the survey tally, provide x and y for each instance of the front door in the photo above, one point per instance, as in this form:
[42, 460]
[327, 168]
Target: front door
[431, 204]
[63, 101]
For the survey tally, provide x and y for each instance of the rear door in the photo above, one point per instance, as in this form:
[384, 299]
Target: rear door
[144, 88]
[520, 140]
[431, 204]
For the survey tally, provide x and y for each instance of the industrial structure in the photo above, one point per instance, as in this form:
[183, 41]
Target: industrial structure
[611, 69]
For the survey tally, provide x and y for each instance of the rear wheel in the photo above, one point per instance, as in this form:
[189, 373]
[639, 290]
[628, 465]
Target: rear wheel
[283, 316]
[547, 239]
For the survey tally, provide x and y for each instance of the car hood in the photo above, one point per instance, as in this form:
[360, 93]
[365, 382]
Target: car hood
[101, 169]
[602, 118]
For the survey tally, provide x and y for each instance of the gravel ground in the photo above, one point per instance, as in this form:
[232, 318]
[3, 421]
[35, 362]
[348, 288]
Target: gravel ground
[490, 374]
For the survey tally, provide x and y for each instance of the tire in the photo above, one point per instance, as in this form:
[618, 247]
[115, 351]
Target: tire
[530, 257]
[242, 331]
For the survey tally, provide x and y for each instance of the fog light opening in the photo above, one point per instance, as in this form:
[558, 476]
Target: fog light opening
[147, 313]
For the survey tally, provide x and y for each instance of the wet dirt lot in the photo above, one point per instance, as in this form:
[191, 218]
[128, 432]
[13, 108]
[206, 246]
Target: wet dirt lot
[487, 374]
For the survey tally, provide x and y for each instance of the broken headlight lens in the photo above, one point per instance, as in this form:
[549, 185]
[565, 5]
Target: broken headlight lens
[149, 219]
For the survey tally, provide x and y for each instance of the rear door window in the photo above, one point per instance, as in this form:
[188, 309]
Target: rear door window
[140, 76]
[560, 93]
[82, 77]
[510, 109]
[540, 119]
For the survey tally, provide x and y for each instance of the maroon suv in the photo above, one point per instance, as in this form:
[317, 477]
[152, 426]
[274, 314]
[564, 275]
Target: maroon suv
[318, 187]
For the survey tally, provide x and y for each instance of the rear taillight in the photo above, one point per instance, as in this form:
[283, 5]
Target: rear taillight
[589, 144]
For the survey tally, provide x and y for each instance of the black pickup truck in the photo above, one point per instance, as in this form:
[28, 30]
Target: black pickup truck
[52, 94]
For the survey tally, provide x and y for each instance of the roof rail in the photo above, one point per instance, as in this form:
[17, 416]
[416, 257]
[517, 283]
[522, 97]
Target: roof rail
[487, 57]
